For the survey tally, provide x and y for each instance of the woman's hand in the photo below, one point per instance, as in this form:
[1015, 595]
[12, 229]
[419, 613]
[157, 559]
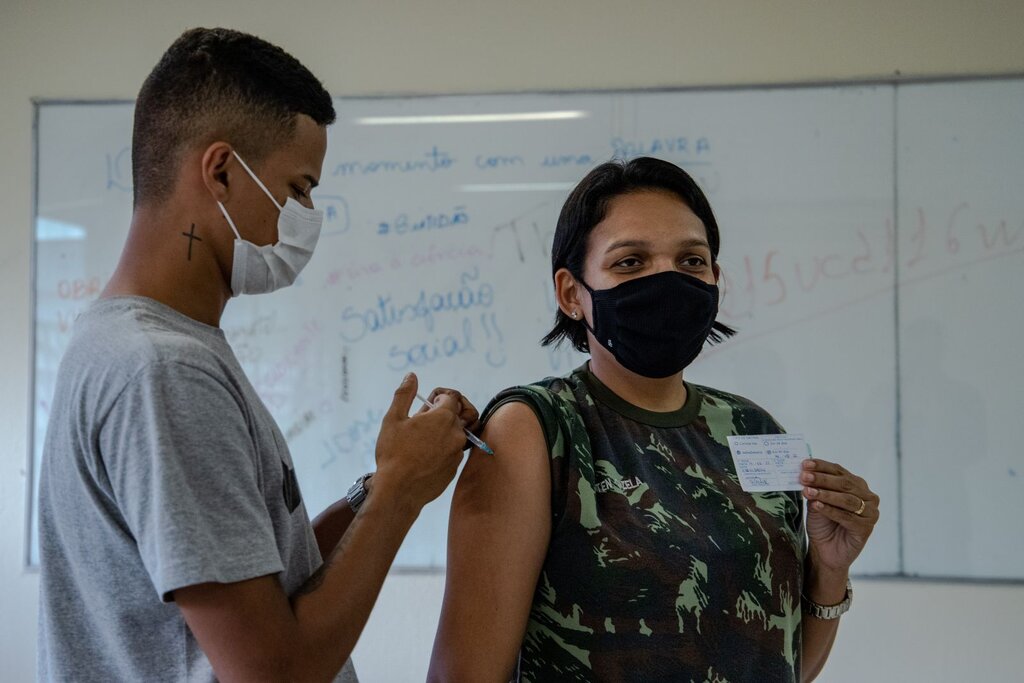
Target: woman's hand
[841, 514]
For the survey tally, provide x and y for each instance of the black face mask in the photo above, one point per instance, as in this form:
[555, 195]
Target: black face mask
[654, 325]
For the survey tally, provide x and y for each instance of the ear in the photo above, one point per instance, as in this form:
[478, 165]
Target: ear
[218, 163]
[717, 271]
[569, 294]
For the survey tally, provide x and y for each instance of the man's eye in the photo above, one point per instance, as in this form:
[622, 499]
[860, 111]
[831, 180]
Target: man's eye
[628, 262]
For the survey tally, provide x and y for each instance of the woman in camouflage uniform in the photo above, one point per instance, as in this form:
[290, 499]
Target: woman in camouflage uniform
[609, 539]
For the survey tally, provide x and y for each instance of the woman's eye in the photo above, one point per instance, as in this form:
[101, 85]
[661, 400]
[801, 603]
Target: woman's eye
[694, 262]
[628, 262]
[299, 194]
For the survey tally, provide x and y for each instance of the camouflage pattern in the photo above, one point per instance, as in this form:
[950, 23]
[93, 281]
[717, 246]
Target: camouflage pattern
[660, 568]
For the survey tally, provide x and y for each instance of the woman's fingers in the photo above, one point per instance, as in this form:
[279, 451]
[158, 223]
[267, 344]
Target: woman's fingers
[827, 476]
[837, 515]
[847, 483]
[838, 494]
[823, 466]
[845, 502]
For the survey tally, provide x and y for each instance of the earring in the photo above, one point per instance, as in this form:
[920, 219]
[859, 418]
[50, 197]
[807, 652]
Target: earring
[574, 314]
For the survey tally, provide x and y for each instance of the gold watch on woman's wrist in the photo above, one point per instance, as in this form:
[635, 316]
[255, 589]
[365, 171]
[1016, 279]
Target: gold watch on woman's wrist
[829, 612]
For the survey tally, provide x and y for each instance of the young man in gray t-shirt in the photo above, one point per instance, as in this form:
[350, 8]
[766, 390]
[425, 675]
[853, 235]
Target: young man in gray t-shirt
[174, 541]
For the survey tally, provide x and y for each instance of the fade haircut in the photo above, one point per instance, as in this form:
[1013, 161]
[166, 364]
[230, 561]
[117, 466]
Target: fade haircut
[587, 205]
[218, 84]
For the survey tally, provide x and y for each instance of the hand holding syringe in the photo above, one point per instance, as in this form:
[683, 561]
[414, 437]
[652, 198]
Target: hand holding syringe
[473, 438]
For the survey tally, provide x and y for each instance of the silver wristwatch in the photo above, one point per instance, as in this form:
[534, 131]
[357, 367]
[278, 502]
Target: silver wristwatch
[829, 612]
[357, 492]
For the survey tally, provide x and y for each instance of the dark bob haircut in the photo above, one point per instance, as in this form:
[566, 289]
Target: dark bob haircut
[586, 207]
[217, 84]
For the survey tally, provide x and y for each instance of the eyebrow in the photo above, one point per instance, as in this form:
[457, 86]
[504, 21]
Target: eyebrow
[313, 182]
[619, 244]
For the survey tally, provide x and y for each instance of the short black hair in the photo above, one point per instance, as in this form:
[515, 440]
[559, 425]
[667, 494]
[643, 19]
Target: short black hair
[218, 84]
[587, 205]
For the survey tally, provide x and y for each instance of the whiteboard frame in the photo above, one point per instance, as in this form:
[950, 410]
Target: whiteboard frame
[896, 80]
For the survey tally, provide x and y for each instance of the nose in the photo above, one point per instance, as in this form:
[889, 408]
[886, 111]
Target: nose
[664, 264]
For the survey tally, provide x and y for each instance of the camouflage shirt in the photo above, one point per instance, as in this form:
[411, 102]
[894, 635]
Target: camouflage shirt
[660, 567]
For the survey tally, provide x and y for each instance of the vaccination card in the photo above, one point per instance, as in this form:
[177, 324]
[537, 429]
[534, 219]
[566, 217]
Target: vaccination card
[769, 462]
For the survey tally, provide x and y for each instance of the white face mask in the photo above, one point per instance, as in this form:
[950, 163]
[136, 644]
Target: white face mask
[258, 270]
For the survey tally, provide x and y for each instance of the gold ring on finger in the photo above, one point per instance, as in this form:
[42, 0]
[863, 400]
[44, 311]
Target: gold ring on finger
[860, 510]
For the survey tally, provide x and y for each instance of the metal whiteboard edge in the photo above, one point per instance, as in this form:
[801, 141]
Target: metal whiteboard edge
[894, 80]
[897, 338]
[927, 578]
[31, 474]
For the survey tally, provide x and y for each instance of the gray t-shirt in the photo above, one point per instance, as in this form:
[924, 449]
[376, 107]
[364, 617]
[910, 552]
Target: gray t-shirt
[161, 469]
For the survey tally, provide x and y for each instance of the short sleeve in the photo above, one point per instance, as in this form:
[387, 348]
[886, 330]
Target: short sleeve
[183, 469]
[540, 402]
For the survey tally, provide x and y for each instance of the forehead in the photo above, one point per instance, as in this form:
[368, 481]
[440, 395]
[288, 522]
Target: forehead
[651, 216]
[304, 152]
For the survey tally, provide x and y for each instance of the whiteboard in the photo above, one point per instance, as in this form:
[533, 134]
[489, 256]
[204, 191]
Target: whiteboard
[961, 303]
[435, 258]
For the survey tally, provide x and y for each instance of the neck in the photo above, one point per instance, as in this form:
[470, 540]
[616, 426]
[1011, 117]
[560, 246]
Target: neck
[171, 258]
[660, 395]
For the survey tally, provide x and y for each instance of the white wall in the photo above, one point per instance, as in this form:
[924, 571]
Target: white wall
[905, 631]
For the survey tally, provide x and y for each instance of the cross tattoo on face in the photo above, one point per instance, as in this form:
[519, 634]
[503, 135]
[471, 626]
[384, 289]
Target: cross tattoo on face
[191, 235]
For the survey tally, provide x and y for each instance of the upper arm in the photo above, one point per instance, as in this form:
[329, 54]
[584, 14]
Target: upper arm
[498, 535]
[246, 629]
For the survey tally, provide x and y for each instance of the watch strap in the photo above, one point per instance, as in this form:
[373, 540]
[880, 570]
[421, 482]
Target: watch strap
[829, 612]
[357, 492]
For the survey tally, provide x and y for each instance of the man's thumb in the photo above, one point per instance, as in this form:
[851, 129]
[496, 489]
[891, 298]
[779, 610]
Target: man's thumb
[404, 395]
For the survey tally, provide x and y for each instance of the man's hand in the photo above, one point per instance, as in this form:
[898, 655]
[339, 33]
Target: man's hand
[418, 456]
[468, 414]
